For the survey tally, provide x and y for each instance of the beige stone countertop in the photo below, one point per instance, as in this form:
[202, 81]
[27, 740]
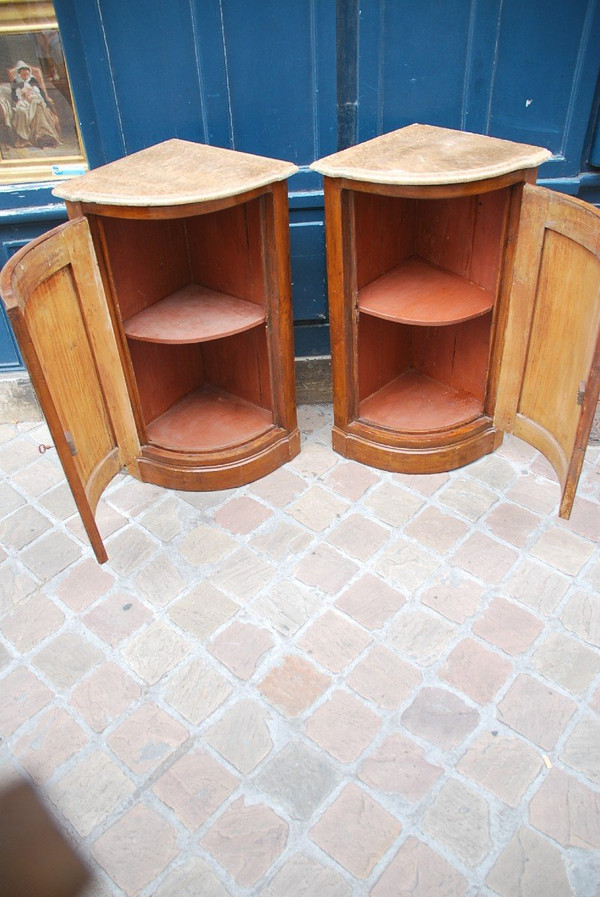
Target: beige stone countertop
[425, 154]
[174, 173]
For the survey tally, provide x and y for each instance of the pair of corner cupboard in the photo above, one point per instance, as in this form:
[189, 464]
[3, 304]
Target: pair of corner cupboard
[464, 303]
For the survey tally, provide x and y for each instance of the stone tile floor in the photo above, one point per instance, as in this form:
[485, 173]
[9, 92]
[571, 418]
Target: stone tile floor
[334, 681]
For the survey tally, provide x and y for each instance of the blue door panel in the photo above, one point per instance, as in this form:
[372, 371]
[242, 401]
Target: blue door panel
[521, 71]
[420, 50]
[273, 75]
[547, 62]
[154, 71]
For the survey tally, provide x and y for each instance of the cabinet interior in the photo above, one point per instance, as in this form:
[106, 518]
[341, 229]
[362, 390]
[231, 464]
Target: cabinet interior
[428, 276]
[191, 294]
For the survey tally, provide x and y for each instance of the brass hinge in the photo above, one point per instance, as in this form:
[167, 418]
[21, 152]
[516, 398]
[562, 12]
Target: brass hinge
[70, 442]
[581, 392]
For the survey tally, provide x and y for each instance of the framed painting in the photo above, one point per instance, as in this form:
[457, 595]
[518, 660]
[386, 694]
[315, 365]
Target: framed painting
[39, 136]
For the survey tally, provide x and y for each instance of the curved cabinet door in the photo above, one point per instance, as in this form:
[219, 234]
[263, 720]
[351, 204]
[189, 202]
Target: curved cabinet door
[56, 304]
[550, 370]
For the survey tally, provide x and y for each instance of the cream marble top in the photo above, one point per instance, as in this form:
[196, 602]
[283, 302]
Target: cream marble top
[425, 154]
[174, 173]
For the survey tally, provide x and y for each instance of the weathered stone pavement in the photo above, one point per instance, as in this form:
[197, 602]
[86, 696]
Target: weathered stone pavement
[334, 681]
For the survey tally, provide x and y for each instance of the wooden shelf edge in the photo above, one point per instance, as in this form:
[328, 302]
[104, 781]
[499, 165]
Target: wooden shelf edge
[194, 314]
[420, 293]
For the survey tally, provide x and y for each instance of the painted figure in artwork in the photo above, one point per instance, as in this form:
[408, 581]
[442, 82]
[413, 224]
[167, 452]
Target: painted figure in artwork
[33, 121]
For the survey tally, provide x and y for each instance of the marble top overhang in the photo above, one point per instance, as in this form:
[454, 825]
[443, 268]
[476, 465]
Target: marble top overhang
[425, 154]
[174, 173]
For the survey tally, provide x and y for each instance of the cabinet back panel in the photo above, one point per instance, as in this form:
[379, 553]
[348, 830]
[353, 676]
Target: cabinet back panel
[383, 353]
[226, 250]
[164, 374]
[464, 235]
[456, 356]
[147, 261]
[240, 365]
[384, 233]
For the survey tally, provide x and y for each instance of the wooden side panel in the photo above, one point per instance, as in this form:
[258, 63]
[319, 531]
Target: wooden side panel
[53, 293]
[226, 253]
[164, 374]
[383, 353]
[384, 228]
[148, 261]
[551, 360]
[456, 355]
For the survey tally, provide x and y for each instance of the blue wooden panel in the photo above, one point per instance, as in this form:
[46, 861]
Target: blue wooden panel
[412, 64]
[545, 77]
[522, 71]
[275, 64]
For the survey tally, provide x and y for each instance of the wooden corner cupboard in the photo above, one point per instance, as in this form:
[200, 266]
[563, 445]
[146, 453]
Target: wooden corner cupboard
[464, 303]
[157, 324]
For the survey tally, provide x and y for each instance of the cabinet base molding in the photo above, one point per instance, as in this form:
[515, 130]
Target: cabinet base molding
[413, 459]
[227, 475]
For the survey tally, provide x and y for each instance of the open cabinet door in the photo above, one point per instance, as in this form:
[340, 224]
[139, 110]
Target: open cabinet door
[550, 370]
[55, 301]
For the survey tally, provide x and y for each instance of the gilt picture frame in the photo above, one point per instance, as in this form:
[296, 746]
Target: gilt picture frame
[39, 134]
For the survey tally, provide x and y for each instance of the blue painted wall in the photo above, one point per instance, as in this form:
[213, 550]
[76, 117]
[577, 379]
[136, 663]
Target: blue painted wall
[294, 79]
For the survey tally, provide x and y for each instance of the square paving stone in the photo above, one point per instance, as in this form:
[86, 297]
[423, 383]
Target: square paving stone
[356, 831]
[567, 811]
[505, 766]
[370, 601]
[299, 778]
[398, 767]
[195, 786]
[440, 717]
[343, 726]
[582, 749]
[67, 658]
[246, 841]
[90, 791]
[136, 849]
[294, 685]
[334, 641]
[459, 818]
[147, 738]
[382, 677]
[536, 711]
[242, 735]
[529, 866]
[304, 876]
[417, 871]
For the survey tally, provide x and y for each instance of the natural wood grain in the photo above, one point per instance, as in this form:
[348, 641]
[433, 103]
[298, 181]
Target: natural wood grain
[53, 293]
[553, 333]
[194, 314]
[417, 292]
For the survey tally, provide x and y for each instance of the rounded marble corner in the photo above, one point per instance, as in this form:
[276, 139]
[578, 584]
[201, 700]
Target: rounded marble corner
[425, 155]
[175, 172]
